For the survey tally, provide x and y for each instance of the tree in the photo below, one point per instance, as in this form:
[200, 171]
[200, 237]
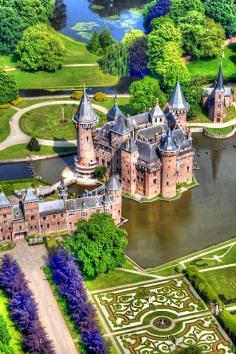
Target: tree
[8, 89]
[144, 94]
[59, 15]
[223, 12]
[98, 245]
[116, 60]
[202, 37]
[138, 58]
[160, 8]
[164, 30]
[130, 37]
[100, 171]
[33, 145]
[105, 38]
[180, 7]
[94, 45]
[172, 67]
[11, 28]
[193, 94]
[40, 49]
[4, 333]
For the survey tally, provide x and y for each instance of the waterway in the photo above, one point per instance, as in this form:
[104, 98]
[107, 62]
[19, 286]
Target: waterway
[80, 18]
[162, 231]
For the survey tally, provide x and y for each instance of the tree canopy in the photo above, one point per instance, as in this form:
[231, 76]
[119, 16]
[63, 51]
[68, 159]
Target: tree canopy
[138, 58]
[40, 49]
[144, 94]
[154, 10]
[130, 37]
[98, 245]
[180, 7]
[8, 88]
[116, 60]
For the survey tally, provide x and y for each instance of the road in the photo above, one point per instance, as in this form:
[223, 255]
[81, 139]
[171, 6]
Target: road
[32, 260]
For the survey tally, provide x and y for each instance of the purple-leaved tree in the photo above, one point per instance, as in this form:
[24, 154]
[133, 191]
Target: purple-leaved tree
[161, 8]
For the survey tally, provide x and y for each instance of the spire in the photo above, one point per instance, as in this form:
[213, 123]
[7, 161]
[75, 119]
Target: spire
[113, 184]
[115, 111]
[85, 112]
[220, 79]
[4, 201]
[177, 101]
[120, 127]
[30, 197]
[168, 143]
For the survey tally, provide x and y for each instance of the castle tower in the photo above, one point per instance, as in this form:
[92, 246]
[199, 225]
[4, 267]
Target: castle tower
[113, 190]
[179, 105]
[169, 150]
[6, 217]
[157, 115]
[114, 112]
[216, 102]
[85, 121]
[31, 212]
[129, 155]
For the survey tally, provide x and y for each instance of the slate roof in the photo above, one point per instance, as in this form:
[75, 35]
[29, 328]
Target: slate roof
[53, 207]
[30, 197]
[220, 80]
[150, 132]
[181, 139]
[177, 100]
[17, 213]
[120, 127]
[85, 112]
[157, 112]
[114, 112]
[4, 201]
[147, 152]
[168, 143]
[113, 184]
[129, 146]
[85, 202]
[140, 119]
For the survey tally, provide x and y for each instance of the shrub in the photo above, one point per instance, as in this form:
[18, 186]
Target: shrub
[77, 95]
[5, 106]
[100, 96]
[17, 101]
[4, 334]
[229, 322]
[100, 171]
[33, 145]
[67, 277]
[8, 89]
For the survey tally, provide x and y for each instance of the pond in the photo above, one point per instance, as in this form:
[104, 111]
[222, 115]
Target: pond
[80, 18]
[162, 231]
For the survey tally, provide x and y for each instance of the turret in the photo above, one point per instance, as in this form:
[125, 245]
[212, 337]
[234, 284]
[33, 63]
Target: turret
[114, 112]
[6, 217]
[31, 211]
[157, 115]
[217, 99]
[179, 105]
[113, 190]
[129, 156]
[169, 150]
[85, 121]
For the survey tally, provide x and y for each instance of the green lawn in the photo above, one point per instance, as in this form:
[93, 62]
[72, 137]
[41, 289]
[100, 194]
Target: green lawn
[66, 78]
[222, 281]
[114, 278]
[15, 342]
[20, 151]
[8, 187]
[209, 68]
[225, 130]
[5, 115]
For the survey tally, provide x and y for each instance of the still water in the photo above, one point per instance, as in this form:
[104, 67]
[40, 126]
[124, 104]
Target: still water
[161, 231]
[80, 18]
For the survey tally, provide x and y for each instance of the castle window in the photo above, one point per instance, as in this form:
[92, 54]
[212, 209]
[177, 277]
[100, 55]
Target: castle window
[167, 183]
[155, 181]
[58, 224]
[54, 216]
[187, 168]
[48, 226]
[32, 217]
[5, 222]
[4, 216]
[35, 227]
[62, 215]
[87, 139]
[8, 237]
[44, 218]
[20, 227]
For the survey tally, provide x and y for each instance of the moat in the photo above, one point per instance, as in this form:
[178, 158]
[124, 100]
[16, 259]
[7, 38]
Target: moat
[162, 231]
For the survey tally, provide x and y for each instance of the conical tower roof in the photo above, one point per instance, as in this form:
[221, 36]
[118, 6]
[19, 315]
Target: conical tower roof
[168, 144]
[4, 201]
[114, 112]
[30, 197]
[85, 112]
[120, 127]
[113, 184]
[177, 100]
[220, 79]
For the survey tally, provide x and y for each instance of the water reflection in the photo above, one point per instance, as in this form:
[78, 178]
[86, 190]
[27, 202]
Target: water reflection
[59, 15]
[161, 231]
[107, 8]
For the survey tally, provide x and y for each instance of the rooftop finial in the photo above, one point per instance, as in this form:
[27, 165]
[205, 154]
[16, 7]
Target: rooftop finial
[220, 79]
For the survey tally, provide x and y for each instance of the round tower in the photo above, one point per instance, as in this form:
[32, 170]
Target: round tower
[113, 190]
[85, 121]
[169, 150]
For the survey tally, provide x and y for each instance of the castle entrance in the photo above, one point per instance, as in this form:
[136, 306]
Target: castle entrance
[19, 236]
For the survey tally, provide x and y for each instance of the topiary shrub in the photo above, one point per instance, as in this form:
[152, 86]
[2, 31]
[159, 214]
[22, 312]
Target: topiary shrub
[17, 101]
[100, 96]
[77, 95]
[33, 145]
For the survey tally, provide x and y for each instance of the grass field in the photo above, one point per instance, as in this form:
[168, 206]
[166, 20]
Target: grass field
[9, 186]
[20, 151]
[223, 281]
[15, 342]
[5, 115]
[209, 68]
[222, 131]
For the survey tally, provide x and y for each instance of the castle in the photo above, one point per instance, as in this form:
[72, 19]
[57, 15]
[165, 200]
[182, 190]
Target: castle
[218, 99]
[20, 218]
[151, 152]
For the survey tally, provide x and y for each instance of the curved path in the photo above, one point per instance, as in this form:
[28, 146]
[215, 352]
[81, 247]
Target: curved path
[16, 135]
